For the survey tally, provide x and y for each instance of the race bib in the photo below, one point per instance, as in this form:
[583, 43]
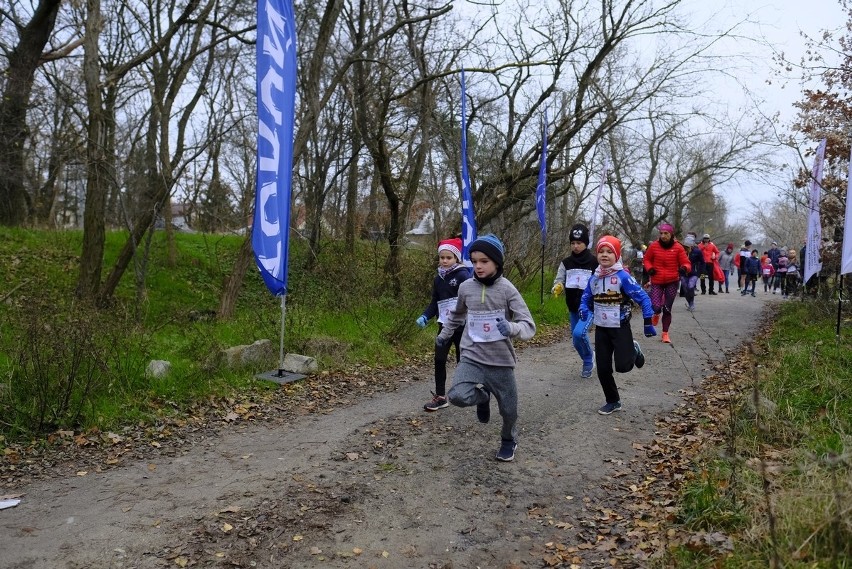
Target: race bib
[607, 315]
[482, 325]
[577, 278]
[766, 271]
[445, 307]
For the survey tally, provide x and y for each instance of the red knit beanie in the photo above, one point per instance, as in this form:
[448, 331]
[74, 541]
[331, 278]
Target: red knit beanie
[454, 246]
[611, 242]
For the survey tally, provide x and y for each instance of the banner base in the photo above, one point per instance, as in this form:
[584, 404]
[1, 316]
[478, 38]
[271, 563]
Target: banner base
[280, 376]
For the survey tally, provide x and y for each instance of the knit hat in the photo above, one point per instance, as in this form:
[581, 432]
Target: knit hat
[611, 242]
[454, 246]
[689, 241]
[579, 232]
[668, 227]
[491, 246]
[706, 236]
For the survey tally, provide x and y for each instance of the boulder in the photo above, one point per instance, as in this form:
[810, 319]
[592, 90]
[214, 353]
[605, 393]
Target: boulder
[261, 352]
[158, 368]
[295, 363]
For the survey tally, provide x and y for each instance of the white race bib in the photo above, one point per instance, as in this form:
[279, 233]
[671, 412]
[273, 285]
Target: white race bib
[482, 325]
[607, 315]
[445, 307]
[577, 278]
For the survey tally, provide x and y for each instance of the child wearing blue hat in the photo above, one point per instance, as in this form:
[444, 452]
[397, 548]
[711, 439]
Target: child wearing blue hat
[492, 312]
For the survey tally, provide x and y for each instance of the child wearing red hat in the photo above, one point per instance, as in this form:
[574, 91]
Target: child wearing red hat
[607, 298]
[445, 291]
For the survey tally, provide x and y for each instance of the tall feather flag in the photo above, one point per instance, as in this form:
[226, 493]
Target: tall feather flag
[540, 189]
[598, 202]
[814, 240]
[468, 219]
[846, 257]
[541, 196]
[276, 100]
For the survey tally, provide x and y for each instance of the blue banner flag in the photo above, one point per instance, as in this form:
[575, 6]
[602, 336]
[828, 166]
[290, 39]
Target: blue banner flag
[540, 195]
[276, 100]
[468, 219]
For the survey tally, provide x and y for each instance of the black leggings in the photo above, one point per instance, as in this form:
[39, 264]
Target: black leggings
[613, 344]
[441, 355]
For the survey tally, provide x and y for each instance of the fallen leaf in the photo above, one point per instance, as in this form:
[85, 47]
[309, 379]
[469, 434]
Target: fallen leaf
[181, 561]
[298, 538]
[352, 455]
[81, 473]
[226, 527]
[315, 550]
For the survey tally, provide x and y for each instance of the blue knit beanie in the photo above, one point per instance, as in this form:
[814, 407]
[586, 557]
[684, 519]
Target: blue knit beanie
[491, 246]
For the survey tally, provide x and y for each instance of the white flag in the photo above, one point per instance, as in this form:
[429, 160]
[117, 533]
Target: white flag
[846, 259]
[598, 203]
[813, 264]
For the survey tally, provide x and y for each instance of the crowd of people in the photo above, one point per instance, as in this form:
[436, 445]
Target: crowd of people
[480, 311]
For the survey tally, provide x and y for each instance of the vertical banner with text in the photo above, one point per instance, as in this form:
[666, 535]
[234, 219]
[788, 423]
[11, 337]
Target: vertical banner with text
[276, 100]
[540, 189]
[814, 239]
[468, 219]
[594, 219]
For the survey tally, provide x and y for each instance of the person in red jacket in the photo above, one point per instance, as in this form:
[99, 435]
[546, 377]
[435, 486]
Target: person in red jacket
[665, 262]
[711, 257]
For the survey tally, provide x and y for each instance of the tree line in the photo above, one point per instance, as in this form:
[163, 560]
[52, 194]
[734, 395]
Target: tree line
[113, 109]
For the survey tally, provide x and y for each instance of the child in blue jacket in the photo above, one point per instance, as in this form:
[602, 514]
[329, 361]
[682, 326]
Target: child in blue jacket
[607, 299]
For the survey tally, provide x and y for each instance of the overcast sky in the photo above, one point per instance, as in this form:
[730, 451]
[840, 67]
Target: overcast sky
[781, 23]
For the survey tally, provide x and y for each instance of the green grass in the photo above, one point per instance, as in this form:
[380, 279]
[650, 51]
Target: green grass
[807, 438]
[339, 309]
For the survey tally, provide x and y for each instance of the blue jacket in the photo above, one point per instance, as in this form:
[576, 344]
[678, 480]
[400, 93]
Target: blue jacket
[752, 266]
[618, 287]
[444, 288]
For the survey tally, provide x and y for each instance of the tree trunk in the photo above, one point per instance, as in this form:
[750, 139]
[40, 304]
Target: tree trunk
[91, 258]
[234, 282]
[19, 77]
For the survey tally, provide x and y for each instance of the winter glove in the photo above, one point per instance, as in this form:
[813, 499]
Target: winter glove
[652, 272]
[441, 342]
[421, 322]
[649, 328]
[682, 271]
[504, 327]
[557, 289]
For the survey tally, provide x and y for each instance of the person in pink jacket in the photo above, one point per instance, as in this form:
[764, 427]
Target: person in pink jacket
[711, 257]
[665, 262]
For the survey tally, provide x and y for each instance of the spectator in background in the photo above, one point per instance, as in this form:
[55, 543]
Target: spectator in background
[767, 271]
[739, 261]
[711, 255]
[726, 263]
[780, 274]
[774, 252]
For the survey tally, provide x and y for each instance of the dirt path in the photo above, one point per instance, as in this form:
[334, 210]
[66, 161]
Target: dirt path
[381, 483]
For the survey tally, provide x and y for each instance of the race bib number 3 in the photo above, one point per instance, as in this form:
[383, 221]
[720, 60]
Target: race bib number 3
[607, 315]
[482, 325]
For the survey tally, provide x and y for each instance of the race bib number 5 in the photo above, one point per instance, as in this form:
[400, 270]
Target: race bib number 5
[482, 325]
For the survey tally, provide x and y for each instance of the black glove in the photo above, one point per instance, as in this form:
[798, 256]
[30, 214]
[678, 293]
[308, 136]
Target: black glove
[682, 271]
[652, 272]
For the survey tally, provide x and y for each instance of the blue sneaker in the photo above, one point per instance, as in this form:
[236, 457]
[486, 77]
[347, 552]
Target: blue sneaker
[507, 450]
[610, 408]
[640, 357]
[587, 370]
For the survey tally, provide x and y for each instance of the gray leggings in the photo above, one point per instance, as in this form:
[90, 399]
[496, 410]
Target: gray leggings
[499, 381]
